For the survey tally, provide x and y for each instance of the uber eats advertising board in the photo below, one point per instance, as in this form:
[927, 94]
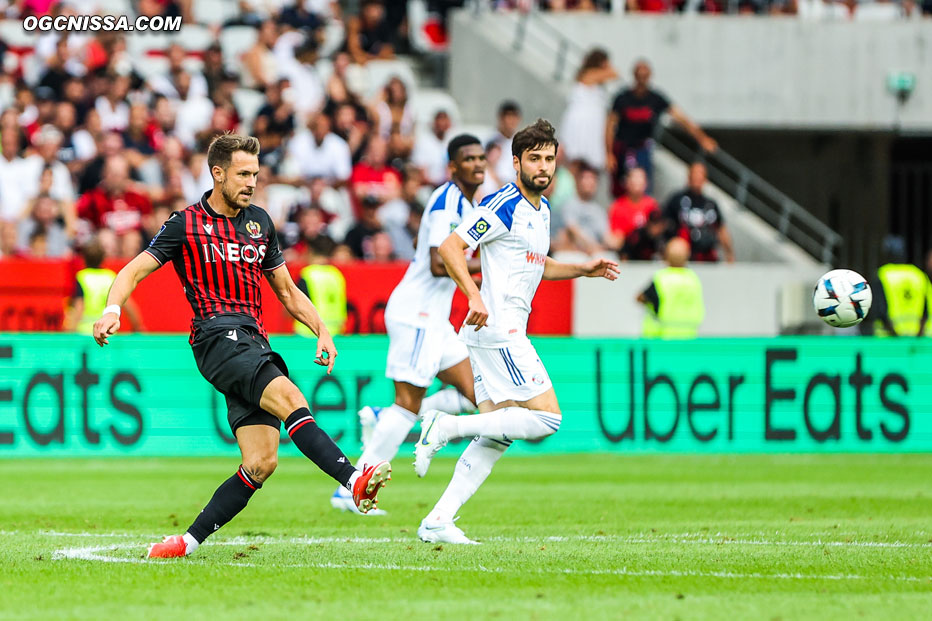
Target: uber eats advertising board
[142, 395]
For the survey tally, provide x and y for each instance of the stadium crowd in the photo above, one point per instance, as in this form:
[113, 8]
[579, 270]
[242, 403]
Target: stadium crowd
[101, 139]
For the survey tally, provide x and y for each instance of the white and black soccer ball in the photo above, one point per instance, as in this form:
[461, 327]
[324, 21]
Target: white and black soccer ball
[842, 298]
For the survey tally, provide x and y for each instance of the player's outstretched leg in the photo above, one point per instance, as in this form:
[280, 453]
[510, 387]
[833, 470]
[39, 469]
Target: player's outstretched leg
[393, 426]
[471, 471]
[283, 399]
[510, 423]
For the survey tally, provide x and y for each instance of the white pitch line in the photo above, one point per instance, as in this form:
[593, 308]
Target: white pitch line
[718, 539]
[97, 553]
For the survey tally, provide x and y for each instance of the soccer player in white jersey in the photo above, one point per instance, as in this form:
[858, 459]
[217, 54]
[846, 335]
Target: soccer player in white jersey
[422, 342]
[516, 399]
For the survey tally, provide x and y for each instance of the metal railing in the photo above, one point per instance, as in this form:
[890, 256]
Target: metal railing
[748, 189]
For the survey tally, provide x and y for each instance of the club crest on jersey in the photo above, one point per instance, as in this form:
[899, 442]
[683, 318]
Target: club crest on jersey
[254, 230]
[478, 229]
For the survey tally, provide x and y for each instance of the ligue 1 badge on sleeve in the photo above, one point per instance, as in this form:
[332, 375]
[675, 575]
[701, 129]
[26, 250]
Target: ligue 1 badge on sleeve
[254, 230]
[478, 229]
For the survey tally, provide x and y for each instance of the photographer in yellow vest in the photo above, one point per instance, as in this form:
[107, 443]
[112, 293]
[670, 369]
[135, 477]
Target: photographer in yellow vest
[673, 301]
[902, 294]
[325, 285]
[89, 298]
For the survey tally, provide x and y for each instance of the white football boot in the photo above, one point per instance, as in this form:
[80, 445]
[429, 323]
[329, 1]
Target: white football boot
[442, 532]
[429, 443]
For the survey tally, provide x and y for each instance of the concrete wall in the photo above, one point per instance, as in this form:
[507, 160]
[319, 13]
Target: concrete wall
[728, 71]
[740, 299]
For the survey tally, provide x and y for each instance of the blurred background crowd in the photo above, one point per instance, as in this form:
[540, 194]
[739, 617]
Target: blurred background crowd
[103, 135]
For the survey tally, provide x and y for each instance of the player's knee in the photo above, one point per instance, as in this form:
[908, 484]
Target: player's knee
[261, 467]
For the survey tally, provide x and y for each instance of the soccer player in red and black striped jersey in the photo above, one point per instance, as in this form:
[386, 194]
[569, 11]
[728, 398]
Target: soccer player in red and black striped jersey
[220, 248]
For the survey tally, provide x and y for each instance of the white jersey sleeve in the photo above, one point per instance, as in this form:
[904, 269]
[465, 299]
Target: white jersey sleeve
[481, 226]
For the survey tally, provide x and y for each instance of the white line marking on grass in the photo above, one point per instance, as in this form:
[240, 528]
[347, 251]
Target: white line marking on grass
[717, 539]
[99, 554]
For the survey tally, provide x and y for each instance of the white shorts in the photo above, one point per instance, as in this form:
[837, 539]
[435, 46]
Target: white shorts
[417, 354]
[514, 372]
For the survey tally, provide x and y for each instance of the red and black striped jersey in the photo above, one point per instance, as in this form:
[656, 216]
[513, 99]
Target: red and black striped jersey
[219, 260]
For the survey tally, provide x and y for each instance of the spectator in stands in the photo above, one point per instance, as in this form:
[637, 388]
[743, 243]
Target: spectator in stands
[394, 119]
[430, 150]
[45, 110]
[359, 239]
[75, 92]
[48, 142]
[630, 211]
[77, 144]
[113, 106]
[382, 249]
[193, 113]
[110, 144]
[311, 225]
[13, 194]
[509, 118]
[373, 180]
[273, 123]
[584, 222]
[673, 301]
[646, 242]
[491, 184]
[46, 216]
[8, 240]
[340, 85]
[352, 125]
[167, 83]
[368, 35]
[401, 217]
[582, 129]
[697, 218]
[259, 64]
[632, 123]
[117, 207]
[306, 88]
[318, 152]
[56, 69]
[213, 70]
[135, 140]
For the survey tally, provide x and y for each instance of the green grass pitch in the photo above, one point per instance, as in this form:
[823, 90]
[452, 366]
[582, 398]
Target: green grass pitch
[569, 537]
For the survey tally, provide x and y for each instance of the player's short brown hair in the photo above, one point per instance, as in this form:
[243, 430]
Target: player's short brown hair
[221, 149]
[538, 135]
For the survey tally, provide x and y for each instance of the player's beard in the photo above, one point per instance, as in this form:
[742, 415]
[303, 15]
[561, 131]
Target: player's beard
[533, 185]
[231, 198]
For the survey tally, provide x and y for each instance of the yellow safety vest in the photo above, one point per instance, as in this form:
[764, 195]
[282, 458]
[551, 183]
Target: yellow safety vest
[681, 307]
[327, 288]
[907, 290]
[96, 283]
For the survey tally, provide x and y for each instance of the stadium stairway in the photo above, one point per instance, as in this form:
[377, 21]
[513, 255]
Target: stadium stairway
[531, 61]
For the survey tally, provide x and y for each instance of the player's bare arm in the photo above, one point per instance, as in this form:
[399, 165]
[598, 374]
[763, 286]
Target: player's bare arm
[451, 251]
[126, 282]
[301, 308]
[438, 268]
[596, 268]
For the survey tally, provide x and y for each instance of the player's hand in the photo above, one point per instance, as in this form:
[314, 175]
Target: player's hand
[600, 268]
[105, 327]
[478, 314]
[326, 351]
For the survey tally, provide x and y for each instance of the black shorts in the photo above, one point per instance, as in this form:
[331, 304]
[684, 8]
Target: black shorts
[238, 361]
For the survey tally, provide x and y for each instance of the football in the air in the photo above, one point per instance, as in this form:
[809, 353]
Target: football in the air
[842, 298]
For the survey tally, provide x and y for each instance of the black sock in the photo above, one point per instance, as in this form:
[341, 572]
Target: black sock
[229, 499]
[317, 446]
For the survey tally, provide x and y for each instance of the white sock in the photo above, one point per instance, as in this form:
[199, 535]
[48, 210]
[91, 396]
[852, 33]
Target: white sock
[448, 400]
[190, 543]
[352, 479]
[511, 423]
[394, 424]
[471, 471]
